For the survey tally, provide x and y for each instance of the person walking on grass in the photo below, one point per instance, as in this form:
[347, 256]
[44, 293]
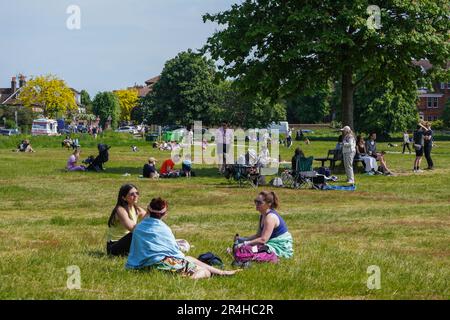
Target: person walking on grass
[406, 142]
[155, 246]
[123, 220]
[348, 153]
[419, 147]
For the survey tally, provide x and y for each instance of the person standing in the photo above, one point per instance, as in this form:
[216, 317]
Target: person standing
[348, 152]
[428, 144]
[419, 147]
[406, 142]
[223, 139]
[289, 138]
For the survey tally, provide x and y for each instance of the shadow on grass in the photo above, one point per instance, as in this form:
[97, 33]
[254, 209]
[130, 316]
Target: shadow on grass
[98, 254]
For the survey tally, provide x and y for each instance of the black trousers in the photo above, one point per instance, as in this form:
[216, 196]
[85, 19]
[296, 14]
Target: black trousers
[427, 152]
[406, 145]
[120, 247]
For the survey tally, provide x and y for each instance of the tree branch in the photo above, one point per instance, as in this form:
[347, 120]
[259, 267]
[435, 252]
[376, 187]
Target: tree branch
[362, 80]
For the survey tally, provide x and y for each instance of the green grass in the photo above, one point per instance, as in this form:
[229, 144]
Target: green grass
[50, 219]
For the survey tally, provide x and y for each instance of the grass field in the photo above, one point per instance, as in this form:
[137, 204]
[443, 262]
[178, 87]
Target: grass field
[51, 219]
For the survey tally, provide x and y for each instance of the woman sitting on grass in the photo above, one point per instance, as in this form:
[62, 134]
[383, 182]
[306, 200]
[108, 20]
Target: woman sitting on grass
[123, 220]
[272, 236]
[72, 162]
[154, 245]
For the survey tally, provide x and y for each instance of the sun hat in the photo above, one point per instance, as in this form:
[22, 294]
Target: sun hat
[151, 159]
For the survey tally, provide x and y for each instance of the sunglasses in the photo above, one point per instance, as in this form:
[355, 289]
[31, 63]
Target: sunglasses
[133, 194]
[258, 202]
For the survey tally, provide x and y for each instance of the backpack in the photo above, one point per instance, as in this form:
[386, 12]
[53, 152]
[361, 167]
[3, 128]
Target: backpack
[324, 171]
[276, 182]
[259, 253]
[211, 259]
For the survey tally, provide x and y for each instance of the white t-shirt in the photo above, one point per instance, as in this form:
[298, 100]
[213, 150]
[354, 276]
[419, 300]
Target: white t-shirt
[406, 138]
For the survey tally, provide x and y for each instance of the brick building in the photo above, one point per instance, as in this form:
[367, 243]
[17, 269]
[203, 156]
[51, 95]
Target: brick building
[144, 90]
[432, 102]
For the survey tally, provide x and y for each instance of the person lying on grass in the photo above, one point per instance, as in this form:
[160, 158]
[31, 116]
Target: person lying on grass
[154, 246]
[123, 220]
[272, 238]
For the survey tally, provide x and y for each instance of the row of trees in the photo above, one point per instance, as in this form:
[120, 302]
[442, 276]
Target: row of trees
[300, 61]
[56, 99]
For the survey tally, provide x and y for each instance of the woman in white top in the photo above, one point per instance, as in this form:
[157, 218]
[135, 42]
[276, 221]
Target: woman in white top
[348, 152]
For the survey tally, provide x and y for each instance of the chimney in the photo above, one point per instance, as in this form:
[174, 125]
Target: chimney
[13, 84]
[22, 81]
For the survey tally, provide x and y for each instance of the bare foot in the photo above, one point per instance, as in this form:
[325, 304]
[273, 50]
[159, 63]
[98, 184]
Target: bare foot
[229, 272]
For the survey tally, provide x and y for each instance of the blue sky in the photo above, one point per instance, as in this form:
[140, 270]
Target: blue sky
[120, 43]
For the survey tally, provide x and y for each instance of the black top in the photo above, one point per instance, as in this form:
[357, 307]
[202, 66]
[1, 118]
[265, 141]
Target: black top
[418, 137]
[428, 133]
[148, 169]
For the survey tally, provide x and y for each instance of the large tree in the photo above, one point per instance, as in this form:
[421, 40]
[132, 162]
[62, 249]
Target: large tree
[50, 94]
[128, 100]
[105, 105]
[247, 111]
[309, 108]
[185, 93]
[281, 48]
[86, 100]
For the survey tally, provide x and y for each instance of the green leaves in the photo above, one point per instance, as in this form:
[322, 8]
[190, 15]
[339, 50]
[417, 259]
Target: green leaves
[106, 104]
[280, 48]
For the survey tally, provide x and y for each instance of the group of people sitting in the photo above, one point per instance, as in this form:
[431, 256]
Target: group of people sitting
[143, 236]
[70, 143]
[358, 149]
[167, 169]
[167, 146]
[24, 146]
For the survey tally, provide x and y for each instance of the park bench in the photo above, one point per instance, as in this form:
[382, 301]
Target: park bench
[335, 156]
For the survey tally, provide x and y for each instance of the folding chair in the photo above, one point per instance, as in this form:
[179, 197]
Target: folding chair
[302, 177]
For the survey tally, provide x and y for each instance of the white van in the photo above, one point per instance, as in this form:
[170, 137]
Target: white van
[282, 127]
[44, 127]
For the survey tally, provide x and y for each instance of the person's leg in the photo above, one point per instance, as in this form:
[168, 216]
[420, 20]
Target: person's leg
[404, 147]
[348, 165]
[383, 164]
[427, 151]
[211, 269]
[121, 247]
[409, 149]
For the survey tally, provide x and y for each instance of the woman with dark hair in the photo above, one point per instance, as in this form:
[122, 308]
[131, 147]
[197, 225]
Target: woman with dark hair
[123, 220]
[272, 229]
[154, 246]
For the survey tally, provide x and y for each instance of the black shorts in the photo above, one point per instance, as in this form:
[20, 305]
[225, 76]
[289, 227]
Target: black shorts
[419, 153]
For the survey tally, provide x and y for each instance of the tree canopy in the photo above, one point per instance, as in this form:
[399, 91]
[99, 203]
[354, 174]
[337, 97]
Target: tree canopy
[106, 104]
[128, 100]
[280, 48]
[50, 94]
[186, 91]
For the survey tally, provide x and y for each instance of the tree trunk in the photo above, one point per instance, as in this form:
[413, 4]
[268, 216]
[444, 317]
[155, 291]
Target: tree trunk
[347, 97]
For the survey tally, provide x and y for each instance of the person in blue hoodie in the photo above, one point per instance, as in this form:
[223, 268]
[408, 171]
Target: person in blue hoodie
[154, 246]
